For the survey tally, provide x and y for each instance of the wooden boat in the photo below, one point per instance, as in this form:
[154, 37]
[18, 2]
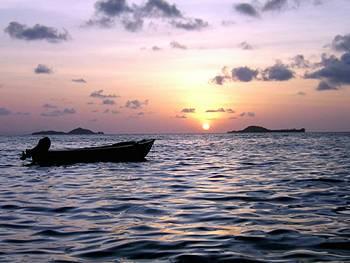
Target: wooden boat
[131, 151]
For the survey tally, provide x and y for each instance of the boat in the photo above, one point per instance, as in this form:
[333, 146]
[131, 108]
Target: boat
[129, 151]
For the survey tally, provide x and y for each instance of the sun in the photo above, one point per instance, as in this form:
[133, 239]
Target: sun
[206, 126]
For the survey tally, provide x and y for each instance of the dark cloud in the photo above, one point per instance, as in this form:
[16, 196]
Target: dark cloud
[59, 113]
[324, 85]
[4, 112]
[341, 43]
[246, 9]
[190, 24]
[271, 5]
[188, 110]
[43, 69]
[133, 25]
[177, 45]
[112, 7]
[333, 72]
[135, 104]
[20, 113]
[132, 17]
[278, 72]
[219, 80]
[180, 117]
[37, 32]
[156, 48]
[299, 61]
[103, 22]
[244, 74]
[161, 8]
[245, 46]
[108, 102]
[275, 5]
[49, 106]
[79, 81]
[247, 114]
[217, 110]
[99, 94]
[228, 23]
[230, 111]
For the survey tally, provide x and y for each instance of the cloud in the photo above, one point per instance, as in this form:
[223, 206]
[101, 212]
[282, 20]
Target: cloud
[132, 17]
[161, 8]
[108, 102]
[230, 111]
[156, 48]
[177, 45]
[37, 32]
[49, 106]
[246, 9]
[106, 111]
[132, 24]
[135, 104]
[20, 113]
[4, 112]
[83, 81]
[333, 72]
[324, 85]
[244, 74]
[247, 114]
[341, 43]
[217, 110]
[245, 46]
[112, 7]
[275, 5]
[188, 110]
[190, 24]
[228, 23]
[99, 95]
[180, 117]
[301, 93]
[300, 62]
[43, 69]
[271, 5]
[277, 72]
[219, 80]
[115, 112]
[59, 113]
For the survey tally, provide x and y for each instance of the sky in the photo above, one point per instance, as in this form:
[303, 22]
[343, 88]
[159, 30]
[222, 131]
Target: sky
[163, 66]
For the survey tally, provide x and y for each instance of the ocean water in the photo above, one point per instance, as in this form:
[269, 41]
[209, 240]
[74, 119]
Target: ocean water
[198, 198]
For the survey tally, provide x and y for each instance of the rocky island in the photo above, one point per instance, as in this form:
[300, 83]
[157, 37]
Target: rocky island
[259, 129]
[77, 131]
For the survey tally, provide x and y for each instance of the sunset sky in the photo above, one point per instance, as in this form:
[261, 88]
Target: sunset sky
[152, 66]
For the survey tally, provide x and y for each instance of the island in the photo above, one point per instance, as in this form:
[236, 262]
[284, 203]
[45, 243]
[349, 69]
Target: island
[259, 129]
[77, 131]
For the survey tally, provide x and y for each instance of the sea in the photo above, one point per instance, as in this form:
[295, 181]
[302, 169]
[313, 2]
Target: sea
[198, 198]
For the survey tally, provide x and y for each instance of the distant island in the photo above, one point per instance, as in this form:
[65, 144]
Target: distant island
[77, 131]
[258, 129]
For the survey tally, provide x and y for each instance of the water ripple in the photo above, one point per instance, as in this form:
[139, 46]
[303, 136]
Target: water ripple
[198, 198]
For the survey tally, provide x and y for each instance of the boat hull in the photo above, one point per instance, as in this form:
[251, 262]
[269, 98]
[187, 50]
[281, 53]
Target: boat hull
[121, 152]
